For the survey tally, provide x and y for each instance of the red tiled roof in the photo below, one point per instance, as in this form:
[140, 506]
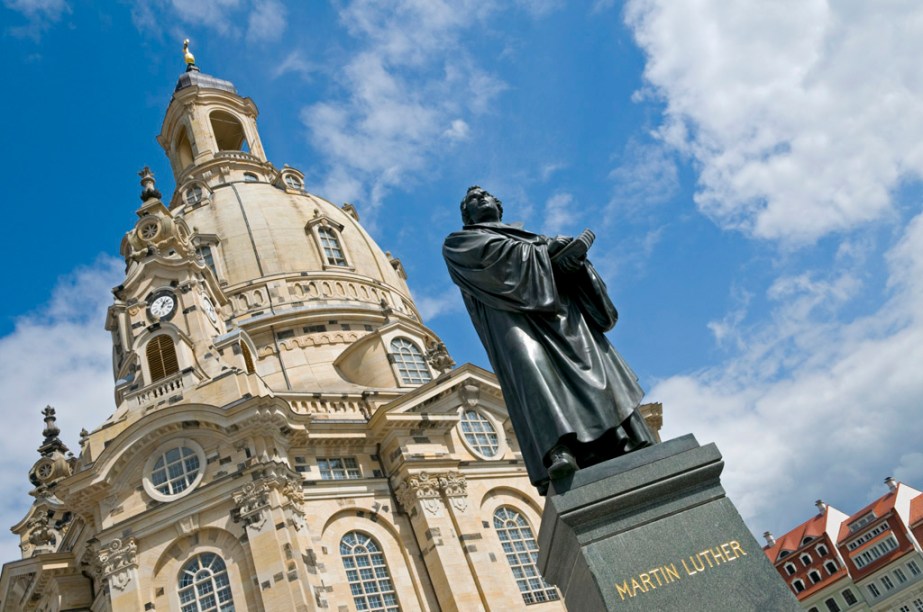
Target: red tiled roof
[880, 507]
[916, 510]
[791, 541]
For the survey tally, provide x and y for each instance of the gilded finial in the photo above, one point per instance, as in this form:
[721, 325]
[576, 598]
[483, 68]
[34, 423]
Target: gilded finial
[188, 56]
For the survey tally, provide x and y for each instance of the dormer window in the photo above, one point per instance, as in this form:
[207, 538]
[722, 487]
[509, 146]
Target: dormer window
[293, 182]
[193, 195]
[330, 243]
[410, 362]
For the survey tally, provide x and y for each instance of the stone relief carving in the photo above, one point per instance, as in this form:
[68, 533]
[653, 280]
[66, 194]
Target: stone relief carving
[428, 489]
[117, 560]
[251, 502]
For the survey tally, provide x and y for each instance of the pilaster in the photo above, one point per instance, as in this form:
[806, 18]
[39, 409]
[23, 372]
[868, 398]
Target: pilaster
[430, 499]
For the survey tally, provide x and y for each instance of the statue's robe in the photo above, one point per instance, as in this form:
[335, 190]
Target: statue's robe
[543, 330]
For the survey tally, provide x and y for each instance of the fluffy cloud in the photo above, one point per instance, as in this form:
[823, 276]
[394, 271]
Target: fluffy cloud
[804, 115]
[811, 408]
[801, 120]
[264, 19]
[59, 355]
[40, 15]
[405, 94]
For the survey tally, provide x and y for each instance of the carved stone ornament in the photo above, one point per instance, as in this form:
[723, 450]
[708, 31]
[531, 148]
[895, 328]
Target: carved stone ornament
[470, 393]
[251, 503]
[420, 487]
[438, 357]
[117, 560]
[455, 487]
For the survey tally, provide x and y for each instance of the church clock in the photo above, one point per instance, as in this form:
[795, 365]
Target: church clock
[161, 306]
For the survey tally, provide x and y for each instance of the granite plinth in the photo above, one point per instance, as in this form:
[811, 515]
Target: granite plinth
[654, 530]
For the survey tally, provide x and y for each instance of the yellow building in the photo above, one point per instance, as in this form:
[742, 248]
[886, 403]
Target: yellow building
[288, 434]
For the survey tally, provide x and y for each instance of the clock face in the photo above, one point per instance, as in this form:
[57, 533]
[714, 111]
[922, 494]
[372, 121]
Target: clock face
[209, 309]
[162, 306]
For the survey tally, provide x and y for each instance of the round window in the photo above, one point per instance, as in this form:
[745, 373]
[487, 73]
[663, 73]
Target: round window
[479, 434]
[292, 181]
[174, 469]
[194, 195]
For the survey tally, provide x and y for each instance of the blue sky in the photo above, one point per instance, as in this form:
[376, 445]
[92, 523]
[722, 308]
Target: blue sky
[752, 172]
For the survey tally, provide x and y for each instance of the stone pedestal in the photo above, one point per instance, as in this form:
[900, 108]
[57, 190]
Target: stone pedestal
[653, 530]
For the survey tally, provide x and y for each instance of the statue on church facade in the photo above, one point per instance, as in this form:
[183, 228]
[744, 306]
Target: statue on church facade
[542, 311]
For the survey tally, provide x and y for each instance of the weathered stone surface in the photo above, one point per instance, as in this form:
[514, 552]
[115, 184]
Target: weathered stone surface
[653, 530]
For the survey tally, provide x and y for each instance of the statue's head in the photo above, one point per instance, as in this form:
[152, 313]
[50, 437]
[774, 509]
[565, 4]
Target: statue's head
[478, 206]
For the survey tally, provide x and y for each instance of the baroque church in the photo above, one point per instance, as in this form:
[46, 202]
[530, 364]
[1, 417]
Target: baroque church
[287, 434]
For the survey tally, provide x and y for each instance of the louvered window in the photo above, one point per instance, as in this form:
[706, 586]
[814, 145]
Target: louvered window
[161, 357]
[248, 358]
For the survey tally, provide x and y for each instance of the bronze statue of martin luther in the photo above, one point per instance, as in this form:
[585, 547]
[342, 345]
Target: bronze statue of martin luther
[542, 311]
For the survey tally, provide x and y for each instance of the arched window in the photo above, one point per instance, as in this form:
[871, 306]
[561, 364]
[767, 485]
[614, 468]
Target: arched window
[204, 585]
[229, 133]
[521, 553]
[831, 567]
[367, 573]
[333, 252]
[805, 559]
[161, 357]
[798, 585]
[292, 181]
[790, 568]
[814, 576]
[479, 433]
[248, 358]
[249, 177]
[410, 362]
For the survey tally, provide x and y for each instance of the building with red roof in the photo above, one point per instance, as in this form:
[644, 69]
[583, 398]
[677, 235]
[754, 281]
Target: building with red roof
[870, 560]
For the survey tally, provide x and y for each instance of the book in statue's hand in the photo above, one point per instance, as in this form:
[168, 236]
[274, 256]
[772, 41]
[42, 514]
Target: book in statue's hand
[577, 247]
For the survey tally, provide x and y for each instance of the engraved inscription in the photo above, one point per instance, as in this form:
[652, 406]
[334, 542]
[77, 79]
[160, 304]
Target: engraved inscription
[667, 574]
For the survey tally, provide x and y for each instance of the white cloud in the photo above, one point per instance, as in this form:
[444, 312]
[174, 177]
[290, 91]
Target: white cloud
[445, 302]
[560, 214]
[804, 115]
[59, 355]
[645, 177]
[267, 21]
[811, 408]
[410, 78]
[295, 63]
[40, 14]
[457, 131]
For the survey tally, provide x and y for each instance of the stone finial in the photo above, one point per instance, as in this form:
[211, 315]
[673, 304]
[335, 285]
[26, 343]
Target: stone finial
[51, 443]
[148, 190]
